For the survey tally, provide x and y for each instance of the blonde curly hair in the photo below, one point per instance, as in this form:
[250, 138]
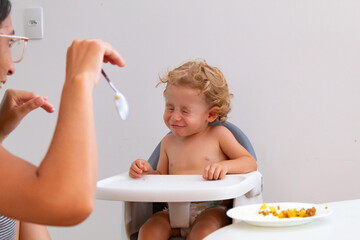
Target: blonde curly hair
[209, 80]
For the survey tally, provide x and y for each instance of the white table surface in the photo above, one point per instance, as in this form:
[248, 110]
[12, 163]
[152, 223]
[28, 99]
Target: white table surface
[344, 223]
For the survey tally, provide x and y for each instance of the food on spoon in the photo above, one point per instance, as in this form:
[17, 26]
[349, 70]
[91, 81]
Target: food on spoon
[291, 212]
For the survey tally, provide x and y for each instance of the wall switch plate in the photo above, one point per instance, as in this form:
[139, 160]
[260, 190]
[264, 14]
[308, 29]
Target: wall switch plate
[34, 23]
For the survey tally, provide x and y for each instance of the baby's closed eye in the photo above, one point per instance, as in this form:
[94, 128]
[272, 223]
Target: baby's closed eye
[185, 111]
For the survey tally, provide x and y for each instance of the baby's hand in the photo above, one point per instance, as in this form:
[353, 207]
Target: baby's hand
[215, 171]
[139, 167]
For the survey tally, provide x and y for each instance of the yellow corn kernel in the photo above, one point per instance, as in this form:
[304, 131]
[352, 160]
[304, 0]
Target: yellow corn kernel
[302, 213]
[281, 215]
[264, 206]
[292, 212]
[272, 209]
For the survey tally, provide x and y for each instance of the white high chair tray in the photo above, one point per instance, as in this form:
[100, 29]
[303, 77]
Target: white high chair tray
[174, 188]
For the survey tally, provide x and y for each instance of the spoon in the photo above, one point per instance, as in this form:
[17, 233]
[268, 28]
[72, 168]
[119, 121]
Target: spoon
[121, 104]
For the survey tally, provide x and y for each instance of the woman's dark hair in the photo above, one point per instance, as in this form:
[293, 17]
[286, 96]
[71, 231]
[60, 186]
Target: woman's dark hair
[5, 8]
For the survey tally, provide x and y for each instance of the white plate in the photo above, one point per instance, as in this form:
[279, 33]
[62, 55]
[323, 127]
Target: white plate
[250, 214]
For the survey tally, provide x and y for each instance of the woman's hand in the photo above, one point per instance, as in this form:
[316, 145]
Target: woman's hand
[215, 171]
[139, 167]
[85, 58]
[15, 105]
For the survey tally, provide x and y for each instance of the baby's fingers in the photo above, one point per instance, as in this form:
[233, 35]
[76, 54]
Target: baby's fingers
[222, 174]
[213, 172]
[141, 164]
[133, 174]
[216, 174]
[135, 168]
[207, 173]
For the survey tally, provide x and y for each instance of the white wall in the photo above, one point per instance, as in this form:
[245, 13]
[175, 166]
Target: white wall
[293, 67]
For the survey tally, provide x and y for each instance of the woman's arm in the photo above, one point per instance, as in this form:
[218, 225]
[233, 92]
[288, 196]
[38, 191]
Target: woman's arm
[31, 231]
[61, 190]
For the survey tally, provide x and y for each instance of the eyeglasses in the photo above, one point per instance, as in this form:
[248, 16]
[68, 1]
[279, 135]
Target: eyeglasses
[17, 46]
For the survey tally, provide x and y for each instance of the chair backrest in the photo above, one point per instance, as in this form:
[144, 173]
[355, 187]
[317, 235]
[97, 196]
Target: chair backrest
[238, 134]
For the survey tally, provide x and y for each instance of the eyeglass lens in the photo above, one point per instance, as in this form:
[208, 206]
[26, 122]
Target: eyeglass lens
[17, 50]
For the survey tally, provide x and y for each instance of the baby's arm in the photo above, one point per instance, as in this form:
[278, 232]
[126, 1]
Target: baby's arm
[141, 166]
[240, 160]
[163, 163]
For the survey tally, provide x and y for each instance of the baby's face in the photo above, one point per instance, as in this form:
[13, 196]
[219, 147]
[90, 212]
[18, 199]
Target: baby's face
[186, 112]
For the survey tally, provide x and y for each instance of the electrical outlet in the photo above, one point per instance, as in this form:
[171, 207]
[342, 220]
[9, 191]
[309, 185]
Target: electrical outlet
[34, 23]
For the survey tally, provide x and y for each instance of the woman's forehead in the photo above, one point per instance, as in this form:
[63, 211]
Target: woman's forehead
[6, 26]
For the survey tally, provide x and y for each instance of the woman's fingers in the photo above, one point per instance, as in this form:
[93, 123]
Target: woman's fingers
[85, 59]
[112, 56]
[35, 103]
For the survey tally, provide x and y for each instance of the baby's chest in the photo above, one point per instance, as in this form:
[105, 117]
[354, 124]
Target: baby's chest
[194, 158]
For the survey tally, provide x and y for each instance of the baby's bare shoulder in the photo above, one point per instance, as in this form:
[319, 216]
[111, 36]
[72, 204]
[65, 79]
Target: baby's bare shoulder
[219, 129]
[222, 133]
[168, 138]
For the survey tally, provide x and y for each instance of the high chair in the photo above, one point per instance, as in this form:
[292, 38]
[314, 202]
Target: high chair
[147, 195]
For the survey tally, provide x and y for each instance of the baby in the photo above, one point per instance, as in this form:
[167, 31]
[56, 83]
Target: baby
[196, 95]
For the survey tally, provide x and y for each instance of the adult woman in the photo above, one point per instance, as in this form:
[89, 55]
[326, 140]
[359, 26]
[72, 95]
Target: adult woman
[61, 190]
